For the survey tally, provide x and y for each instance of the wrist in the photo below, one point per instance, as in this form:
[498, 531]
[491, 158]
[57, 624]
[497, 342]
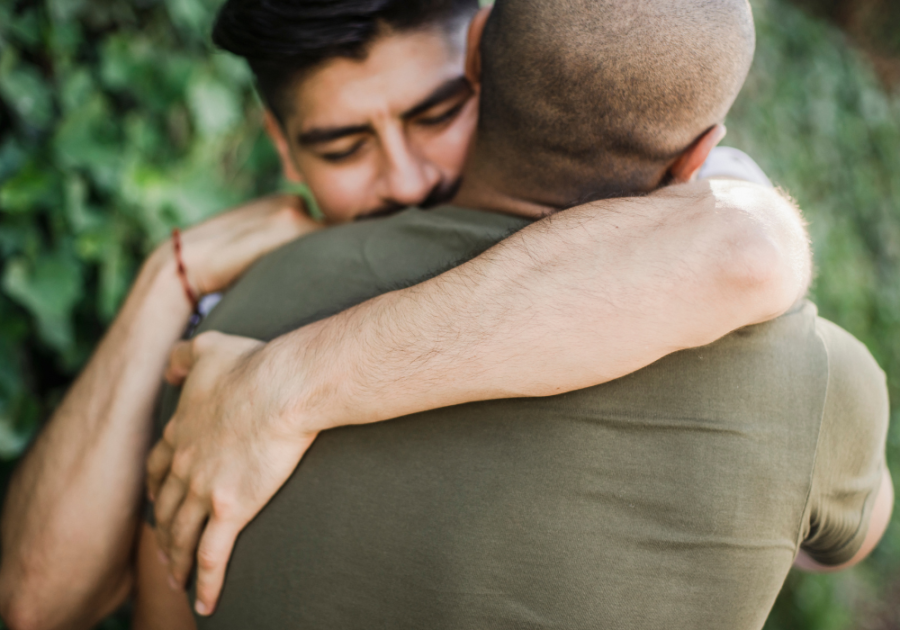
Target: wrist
[157, 288]
[319, 375]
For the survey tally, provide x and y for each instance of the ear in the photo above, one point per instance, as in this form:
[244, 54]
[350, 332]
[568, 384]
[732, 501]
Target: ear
[473, 47]
[688, 163]
[276, 134]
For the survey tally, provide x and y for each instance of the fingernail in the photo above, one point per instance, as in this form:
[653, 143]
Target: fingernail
[163, 557]
[174, 583]
[201, 608]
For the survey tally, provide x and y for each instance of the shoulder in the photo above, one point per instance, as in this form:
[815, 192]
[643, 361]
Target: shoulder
[429, 237]
[333, 269]
[857, 385]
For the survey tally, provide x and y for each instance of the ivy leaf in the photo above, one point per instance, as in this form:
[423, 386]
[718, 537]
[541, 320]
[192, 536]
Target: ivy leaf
[190, 15]
[32, 188]
[215, 108]
[12, 156]
[26, 92]
[65, 10]
[49, 288]
[85, 140]
[24, 28]
[77, 89]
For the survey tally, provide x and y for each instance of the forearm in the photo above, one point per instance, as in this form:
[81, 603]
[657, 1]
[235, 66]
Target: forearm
[584, 297]
[69, 521]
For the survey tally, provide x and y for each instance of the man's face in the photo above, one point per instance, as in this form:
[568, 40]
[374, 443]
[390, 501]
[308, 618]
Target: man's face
[389, 131]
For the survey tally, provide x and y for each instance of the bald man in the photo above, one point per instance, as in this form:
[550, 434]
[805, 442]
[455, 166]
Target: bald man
[677, 497]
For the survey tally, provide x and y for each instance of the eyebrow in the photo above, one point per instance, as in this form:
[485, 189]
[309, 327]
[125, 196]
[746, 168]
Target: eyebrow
[444, 91]
[321, 135]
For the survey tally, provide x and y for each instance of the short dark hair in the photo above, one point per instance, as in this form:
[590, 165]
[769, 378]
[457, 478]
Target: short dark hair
[283, 39]
[588, 99]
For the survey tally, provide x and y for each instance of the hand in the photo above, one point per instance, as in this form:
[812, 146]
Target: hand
[219, 250]
[226, 451]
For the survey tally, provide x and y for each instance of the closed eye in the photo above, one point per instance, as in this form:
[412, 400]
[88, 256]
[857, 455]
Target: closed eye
[434, 121]
[338, 156]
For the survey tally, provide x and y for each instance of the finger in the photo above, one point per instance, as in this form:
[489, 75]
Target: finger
[170, 498]
[158, 463]
[181, 360]
[184, 534]
[213, 554]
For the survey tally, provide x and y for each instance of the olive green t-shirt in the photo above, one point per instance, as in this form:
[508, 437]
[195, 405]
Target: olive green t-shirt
[676, 497]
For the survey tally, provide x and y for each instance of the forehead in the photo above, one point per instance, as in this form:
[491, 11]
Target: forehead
[398, 73]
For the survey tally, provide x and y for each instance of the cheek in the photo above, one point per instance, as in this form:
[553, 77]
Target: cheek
[449, 149]
[342, 193]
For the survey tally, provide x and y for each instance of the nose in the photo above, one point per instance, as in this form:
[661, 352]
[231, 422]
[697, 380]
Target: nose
[408, 177]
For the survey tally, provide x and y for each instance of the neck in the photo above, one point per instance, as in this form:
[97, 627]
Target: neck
[482, 189]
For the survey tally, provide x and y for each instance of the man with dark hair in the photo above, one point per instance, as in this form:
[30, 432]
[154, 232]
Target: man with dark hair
[676, 497]
[320, 140]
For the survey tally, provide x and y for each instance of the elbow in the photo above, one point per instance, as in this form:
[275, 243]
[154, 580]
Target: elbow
[768, 274]
[767, 254]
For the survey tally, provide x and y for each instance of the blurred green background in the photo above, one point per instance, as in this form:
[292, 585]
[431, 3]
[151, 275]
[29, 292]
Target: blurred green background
[118, 121]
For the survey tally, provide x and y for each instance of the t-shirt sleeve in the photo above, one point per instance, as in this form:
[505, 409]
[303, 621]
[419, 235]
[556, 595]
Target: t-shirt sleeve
[850, 458]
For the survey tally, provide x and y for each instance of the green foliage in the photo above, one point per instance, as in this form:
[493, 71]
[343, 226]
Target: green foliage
[874, 23]
[816, 118]
[118, 121]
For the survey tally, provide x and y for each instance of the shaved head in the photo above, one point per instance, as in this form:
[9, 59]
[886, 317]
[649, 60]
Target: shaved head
[590, 99]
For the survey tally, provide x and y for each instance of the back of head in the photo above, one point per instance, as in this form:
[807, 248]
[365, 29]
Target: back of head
[284, 39]
[589, 99]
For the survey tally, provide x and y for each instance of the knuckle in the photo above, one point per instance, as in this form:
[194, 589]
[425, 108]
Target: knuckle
[288, 212]
[181, 464]
[222, 504]
[207, 561]
[197, 488]
[206, 339]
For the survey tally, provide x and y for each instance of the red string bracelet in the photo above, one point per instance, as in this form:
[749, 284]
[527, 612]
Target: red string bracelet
[182, 272]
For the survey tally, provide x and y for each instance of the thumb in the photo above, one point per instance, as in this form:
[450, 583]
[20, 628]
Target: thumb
[181, 361]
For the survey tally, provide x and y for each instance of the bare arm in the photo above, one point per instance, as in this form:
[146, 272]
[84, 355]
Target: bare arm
[589, 295]
[70, 519]
[581, 298]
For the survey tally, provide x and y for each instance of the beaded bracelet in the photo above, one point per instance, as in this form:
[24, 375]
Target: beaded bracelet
[182, 272]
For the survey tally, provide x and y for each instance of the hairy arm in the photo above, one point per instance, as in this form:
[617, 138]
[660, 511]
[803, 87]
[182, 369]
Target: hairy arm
[580, 298]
